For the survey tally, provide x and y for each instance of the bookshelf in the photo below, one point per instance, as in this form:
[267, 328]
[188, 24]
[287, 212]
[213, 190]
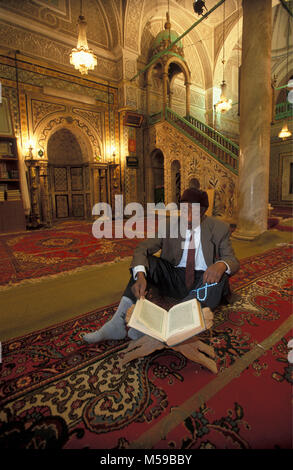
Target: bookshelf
[12, 216]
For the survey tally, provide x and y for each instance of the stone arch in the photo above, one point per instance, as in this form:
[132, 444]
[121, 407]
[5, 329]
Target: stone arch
[111, 19]
[89, 141]
[181, 64]
[169, 77]
[132, 24]
[63, 148]
[183, 67]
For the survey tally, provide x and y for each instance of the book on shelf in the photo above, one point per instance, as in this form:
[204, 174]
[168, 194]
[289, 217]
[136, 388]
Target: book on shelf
[171, 327]
[13, 195]
[8, 172]
[2, 195]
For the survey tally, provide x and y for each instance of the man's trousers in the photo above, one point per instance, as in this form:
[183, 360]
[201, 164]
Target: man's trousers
[170, 282]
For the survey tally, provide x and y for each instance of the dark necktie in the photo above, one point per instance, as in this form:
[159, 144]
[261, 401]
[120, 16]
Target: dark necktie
[190, 263]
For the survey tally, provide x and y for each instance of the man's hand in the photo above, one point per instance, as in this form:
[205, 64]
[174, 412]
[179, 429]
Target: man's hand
[139, 287]
[214, 272]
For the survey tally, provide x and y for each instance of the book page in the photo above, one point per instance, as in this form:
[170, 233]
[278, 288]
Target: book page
[183, 316]
[153, 317]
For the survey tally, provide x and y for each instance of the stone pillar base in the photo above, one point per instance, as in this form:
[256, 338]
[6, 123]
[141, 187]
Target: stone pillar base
[245, 235]
[249, 230]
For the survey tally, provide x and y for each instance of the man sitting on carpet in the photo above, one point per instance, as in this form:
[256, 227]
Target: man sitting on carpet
[184, 265]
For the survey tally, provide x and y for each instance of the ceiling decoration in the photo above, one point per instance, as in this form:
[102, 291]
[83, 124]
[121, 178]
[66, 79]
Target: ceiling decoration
[60, 16]
[46, 29]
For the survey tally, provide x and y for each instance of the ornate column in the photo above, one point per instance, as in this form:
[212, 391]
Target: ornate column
[187, 88]
[94, 182]
[44, 190]
[114, 176]
[255, 119]
[33, 168]
[103, 182]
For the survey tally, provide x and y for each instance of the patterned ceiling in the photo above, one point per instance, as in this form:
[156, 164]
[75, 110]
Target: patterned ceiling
[61, 17]
[48, 29]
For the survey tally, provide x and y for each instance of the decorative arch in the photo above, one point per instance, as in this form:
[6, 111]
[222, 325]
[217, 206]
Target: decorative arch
[167, 82]
[88, 140]
[63, 148]
[132, 24]
[181, 64]
[111, 19]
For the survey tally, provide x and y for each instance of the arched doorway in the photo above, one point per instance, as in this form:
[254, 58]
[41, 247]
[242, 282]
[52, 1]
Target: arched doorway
[69, 177]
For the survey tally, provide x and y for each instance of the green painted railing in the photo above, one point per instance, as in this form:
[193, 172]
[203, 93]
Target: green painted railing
[215, 135]
[217, 145]
[283, 110]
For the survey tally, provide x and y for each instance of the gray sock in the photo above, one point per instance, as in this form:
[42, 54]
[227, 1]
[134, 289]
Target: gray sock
[134, 334]
[114, 328]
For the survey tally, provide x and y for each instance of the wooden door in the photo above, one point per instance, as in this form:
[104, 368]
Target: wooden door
[71, 197]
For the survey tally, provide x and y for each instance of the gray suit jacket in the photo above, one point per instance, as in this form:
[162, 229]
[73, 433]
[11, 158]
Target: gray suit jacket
[215, 240]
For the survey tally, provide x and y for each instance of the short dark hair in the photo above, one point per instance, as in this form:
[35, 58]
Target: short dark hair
[195, 195]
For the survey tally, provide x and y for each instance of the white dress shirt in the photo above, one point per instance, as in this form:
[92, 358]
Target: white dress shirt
[200, 264]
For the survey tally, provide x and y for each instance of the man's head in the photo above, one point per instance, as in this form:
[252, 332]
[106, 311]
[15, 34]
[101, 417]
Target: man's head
[198, 202]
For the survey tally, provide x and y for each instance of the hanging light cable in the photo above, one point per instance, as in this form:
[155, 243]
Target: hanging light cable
[223, 104]
[82, 57]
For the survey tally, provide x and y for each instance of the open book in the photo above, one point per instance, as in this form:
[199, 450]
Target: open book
[172, 327]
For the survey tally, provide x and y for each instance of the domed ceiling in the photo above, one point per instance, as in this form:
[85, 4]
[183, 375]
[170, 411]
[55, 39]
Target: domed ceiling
[47, 29]
[60, 17]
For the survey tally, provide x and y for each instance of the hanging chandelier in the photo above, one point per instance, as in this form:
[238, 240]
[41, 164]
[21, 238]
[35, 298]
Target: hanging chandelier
[82, 57]
[224, 104]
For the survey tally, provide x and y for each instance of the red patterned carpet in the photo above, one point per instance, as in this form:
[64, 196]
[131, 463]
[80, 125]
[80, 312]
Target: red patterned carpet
[58, 393]
[66, 247]
[30, 255]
